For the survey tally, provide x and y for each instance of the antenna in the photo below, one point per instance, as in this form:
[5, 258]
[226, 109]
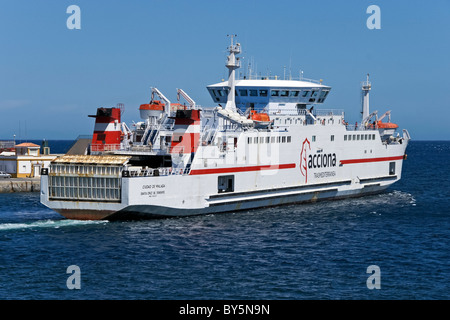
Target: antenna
[231, 37]
[290, 64]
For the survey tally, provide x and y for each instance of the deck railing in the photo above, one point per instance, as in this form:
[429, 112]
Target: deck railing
[150, 172]
[104, 147]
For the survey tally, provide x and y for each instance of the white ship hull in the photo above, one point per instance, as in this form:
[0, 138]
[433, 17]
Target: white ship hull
[360, 168]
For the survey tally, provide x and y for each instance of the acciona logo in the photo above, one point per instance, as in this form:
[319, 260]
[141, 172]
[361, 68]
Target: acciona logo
[320, 160]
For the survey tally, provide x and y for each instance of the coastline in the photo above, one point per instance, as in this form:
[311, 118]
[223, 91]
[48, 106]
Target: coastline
[20, 185]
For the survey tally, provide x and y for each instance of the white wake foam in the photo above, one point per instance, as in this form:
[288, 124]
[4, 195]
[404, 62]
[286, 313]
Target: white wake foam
[48, 224]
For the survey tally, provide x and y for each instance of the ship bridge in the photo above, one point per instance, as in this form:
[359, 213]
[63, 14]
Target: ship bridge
[271, 94]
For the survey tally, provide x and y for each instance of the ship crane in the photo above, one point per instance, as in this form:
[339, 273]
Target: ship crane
[162, 97]
[186, 97]
[366, 121]
[387, 113]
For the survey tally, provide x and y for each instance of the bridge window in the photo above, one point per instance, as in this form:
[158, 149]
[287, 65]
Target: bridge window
[289, 139]
[294, 93]
[323, 94]
[284, 93]
[253, 93]
[243, 93]
[274, 93]
[305, 93]
[223, 93]
[263, 93]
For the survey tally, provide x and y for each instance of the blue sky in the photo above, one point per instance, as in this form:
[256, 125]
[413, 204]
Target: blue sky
[52, 78]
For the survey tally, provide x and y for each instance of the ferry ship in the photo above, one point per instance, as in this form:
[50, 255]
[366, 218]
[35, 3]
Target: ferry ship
[266, 142]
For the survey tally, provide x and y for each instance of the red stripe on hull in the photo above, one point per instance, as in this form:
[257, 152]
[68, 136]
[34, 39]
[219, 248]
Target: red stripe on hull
[242, 169]
[350, 161]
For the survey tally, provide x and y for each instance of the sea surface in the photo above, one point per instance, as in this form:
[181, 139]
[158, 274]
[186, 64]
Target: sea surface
[311, 251]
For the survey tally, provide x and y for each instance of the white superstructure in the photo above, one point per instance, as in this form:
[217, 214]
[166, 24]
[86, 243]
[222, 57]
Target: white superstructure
[265, 143]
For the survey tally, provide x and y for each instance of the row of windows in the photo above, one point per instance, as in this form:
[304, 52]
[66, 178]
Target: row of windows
[279, 139]
[273, 93]
[287, 139]
[355, 137]
[349, 137]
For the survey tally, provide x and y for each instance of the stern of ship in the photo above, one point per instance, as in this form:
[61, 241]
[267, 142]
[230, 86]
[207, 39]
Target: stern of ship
[84, 187]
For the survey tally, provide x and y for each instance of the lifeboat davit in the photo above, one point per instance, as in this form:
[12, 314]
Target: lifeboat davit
[153, 109]
[386, 125]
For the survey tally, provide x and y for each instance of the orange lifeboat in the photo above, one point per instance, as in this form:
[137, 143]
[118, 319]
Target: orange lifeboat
[155, 105]
[386, 125]
[260, 119]
[264, 117]
[152, 109]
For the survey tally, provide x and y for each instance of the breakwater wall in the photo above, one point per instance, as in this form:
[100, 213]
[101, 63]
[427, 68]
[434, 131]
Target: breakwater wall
[19, 185]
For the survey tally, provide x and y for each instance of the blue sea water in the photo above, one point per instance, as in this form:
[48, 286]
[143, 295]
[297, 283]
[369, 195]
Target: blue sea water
[310, 251]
